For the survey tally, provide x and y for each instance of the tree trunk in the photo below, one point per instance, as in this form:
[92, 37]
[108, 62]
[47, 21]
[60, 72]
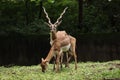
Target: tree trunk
[80, 13]
[27, 11]
[40, 9]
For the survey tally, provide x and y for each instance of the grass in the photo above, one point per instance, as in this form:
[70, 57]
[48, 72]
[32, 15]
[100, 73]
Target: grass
[86, 71]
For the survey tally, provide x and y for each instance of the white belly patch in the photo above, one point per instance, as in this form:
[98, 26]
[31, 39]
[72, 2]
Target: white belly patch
[65, 48]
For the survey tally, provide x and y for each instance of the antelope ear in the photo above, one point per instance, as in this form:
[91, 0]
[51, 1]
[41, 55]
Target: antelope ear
[59, 23]
[47, 24]
[42, 59]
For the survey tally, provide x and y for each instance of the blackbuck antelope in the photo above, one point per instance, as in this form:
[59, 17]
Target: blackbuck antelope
[60, 42]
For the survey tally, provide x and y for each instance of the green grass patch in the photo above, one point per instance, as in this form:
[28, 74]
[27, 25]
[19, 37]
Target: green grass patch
[86, 71]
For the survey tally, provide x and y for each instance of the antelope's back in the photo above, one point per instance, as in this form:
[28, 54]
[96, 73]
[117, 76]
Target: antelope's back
[63, 38]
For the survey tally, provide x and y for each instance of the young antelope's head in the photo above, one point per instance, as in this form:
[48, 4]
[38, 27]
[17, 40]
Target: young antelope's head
[43, 65]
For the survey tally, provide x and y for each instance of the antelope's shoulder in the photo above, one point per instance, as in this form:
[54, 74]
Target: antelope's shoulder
[61, 34]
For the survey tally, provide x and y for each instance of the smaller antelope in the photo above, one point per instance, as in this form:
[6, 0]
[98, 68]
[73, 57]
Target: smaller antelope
[60, 42]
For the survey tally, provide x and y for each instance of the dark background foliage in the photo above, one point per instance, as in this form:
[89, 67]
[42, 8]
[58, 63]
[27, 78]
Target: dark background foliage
[24, 37]
[95, 16]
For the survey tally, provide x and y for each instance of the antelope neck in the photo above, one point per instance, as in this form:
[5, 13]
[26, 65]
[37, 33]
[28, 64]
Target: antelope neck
[53, 35]
[50, 55]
